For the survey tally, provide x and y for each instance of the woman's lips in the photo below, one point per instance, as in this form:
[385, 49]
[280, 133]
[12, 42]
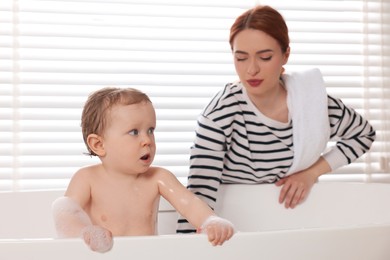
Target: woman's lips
[254, 82]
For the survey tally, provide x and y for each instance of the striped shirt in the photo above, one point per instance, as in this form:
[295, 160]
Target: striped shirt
[235, 143]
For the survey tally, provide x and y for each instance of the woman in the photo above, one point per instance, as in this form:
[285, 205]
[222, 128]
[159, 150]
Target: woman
[271, 127]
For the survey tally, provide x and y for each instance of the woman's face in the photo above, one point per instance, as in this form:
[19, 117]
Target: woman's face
[258, 60]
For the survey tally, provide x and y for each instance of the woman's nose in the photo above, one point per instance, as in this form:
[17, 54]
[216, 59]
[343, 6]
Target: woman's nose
[253, 68]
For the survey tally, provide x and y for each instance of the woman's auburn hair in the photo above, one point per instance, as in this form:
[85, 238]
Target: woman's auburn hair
[262, 18]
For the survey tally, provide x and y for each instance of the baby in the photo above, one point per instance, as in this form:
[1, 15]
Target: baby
[120, 196]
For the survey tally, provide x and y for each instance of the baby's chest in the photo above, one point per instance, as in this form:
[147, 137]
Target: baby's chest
[130, 203]
[126, 214]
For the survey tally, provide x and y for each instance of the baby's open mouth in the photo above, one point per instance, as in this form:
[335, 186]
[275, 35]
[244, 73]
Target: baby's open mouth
[145, 157]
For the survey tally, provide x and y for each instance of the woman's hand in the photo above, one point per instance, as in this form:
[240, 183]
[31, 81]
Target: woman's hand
[296, 187]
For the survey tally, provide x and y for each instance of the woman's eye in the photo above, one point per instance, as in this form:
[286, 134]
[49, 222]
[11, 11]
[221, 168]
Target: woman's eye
[133, 132]
[266, 58]
[240, 56]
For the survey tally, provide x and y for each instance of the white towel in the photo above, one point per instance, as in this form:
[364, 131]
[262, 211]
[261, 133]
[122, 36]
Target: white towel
[308, 106]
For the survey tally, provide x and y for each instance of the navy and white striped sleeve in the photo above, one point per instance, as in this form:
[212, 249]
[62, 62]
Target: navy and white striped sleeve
[353, 133]
[206, 165]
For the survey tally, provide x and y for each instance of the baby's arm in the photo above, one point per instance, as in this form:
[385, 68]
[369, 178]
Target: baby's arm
[197, 212]
[72, 221]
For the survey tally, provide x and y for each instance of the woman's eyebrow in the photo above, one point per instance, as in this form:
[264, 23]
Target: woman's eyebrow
[258, 52]
[240, 52]
[263, 51]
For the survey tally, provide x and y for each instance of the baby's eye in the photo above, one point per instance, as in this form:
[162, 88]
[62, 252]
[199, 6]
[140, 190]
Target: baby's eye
[133, 132]
[151, 131]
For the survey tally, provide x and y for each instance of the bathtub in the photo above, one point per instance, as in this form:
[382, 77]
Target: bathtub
[346, 221]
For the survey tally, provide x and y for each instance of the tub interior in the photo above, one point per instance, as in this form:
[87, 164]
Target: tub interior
[251, 208]
[338, 221]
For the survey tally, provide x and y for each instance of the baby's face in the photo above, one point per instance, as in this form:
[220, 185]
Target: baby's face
[129, 138]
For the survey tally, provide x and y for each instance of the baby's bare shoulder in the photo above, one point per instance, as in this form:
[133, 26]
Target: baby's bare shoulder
[163, 176]
[85, 176]
[87, 171]
[81, 182]
[160, 172]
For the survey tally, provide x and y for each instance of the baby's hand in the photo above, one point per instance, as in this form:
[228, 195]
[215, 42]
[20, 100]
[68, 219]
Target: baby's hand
[97, 238]
[217, 229]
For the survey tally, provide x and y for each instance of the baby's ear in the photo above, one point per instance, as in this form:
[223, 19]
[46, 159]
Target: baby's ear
[95, 143]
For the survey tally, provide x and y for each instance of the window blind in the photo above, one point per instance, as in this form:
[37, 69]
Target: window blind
[54, 53]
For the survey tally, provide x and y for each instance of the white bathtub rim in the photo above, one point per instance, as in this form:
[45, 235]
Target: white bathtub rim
[305, 244]
[191, 236]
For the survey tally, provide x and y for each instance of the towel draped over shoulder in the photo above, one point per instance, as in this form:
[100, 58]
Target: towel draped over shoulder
[308, 106]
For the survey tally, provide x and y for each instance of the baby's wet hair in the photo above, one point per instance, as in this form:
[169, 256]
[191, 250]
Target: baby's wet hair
[94, 117]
